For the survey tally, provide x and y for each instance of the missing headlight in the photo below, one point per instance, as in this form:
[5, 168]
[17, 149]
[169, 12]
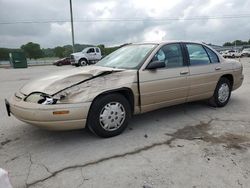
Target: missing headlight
[40, 98]
[47, 100]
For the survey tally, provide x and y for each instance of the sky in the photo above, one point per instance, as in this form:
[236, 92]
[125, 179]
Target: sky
[114, 22]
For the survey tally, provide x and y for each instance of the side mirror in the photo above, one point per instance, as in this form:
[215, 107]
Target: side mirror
[155, 65]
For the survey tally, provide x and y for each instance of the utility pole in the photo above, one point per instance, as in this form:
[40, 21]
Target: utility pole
[72, 26]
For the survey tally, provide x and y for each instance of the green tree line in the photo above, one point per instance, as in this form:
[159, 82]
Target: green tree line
[237, 43]
[34, 51]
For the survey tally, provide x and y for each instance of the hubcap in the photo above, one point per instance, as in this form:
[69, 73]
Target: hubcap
[223, 93]
[112, 116]
[83, 63]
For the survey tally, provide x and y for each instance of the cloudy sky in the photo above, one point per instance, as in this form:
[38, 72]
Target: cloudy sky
[112, 22]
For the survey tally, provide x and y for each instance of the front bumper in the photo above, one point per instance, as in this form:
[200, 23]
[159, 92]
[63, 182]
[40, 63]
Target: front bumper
[73, 62]
[7, 105]
[43, 115]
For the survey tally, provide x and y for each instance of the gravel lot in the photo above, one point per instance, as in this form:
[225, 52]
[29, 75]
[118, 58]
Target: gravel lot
[190, 145]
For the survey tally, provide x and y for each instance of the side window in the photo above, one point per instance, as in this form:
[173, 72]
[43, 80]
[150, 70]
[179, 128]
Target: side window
[197, 54]
[213, 57]
[97, 50]
[91, 50]
[171, 54]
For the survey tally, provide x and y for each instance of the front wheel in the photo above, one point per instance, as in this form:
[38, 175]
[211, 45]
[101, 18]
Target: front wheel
[109, 115]
[222, 93]
[83, 62]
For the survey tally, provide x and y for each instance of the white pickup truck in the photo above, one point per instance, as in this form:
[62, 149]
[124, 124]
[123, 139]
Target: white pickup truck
[88, 56]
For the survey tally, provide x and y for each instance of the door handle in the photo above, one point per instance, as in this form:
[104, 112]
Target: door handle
[217, 68]
[183, 72]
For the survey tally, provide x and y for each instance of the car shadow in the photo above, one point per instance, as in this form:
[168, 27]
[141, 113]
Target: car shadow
[138, 122]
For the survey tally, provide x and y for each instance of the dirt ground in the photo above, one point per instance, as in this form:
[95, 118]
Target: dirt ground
[190, 145]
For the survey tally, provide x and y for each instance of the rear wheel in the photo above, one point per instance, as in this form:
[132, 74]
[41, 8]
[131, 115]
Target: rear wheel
[109, 115]
[222, 93]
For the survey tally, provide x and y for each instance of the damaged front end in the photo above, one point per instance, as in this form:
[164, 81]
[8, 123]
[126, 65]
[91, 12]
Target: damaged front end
[63, 95]
[62, 101]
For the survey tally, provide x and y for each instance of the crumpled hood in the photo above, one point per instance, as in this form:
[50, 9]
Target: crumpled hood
[60, 80]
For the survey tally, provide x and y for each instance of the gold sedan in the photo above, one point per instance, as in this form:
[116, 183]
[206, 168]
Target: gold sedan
[134, 79]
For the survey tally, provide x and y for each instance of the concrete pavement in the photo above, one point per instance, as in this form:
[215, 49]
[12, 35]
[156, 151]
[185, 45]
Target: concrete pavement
[189, 145]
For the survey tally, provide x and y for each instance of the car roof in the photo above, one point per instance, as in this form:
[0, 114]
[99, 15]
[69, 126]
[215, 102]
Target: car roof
[169, 41]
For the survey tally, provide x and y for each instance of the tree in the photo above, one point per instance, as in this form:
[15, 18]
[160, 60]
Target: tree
[102, 48]
[48, 52]
[4, 53]
[32, 50]
[59, 51]
[67, 52]
[227, 44]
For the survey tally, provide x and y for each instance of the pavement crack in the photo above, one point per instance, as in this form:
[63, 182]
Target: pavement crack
[15, 158]
[28, 174]
[199, 131]
[45, 167]
[82, 178]
[136, 151]
[239, 183]
[231, 120]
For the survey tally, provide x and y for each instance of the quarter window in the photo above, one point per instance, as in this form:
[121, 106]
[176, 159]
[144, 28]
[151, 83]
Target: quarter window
[171, 54]
[213, 57]
[197, 54]
[97, 50]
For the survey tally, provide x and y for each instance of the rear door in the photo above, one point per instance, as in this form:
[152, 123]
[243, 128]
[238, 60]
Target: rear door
[98, 54]
[164, 86]
[205, 71]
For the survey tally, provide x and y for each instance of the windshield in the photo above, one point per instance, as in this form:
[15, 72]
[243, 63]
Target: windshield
[128, 57]
[85, 50]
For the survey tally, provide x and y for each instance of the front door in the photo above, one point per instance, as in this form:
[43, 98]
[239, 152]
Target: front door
[164, 86]
[91, 54]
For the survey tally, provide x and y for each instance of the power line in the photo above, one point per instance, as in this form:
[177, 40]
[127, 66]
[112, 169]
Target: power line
[149, 19]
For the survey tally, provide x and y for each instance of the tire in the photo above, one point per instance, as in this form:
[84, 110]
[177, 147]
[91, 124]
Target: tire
[222, 93]
[83, 62]
[104, 119]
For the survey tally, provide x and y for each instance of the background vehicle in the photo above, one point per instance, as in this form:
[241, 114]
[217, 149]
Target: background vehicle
[246, 52]
[134, 79]
[231, 54]
[64, 61]
[86, 57]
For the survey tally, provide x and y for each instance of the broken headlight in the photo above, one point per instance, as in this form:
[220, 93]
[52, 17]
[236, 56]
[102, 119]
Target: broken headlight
[43, 98]
[40, 98]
